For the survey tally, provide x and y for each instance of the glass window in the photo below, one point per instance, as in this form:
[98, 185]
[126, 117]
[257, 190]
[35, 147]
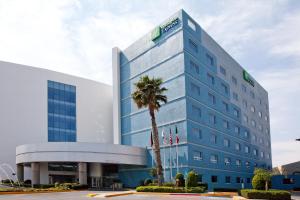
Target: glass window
[237, 146]
[211, 79]
[195, 89]
[191, 24]
[244, 89]
[245, 117]
[248, 180]
[227, 161]
[197, 132]
[253, 123]
[266, 118]
[210, 59]
[225, 106]
[261, 154]
[197, 155]
[61, 112]
[252, 108]
[213, 139]
[255, 152]
[214, 179]
[225, 124]
[238, 163]
[238, 179]
[223, 70]
[226, 142]
[212, 119]
[193, 46]
[246, 149]
[236, 112]
[224, 88]
[252, 94]
[234, 80]
[259, 114]
[245, 104]
[235, 96]
[227, 179]
[196, 111]
[194, 67]
[212, 98]
[237, 130]
[213, 158]
[246, 134]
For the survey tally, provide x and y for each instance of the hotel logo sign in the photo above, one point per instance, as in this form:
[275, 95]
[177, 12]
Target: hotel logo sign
[158, 31]
[248, 78]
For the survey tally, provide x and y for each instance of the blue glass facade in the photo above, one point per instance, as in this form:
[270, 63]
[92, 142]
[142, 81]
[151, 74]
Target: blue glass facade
[61, 112]
[220, 137]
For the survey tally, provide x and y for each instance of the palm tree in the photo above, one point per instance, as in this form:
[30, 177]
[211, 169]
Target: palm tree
[149, 94]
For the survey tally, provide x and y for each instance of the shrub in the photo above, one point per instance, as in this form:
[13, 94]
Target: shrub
[43, 186]
[192, 179]
[27, 182]
[169, 189]
[147, 181]
[80, 187]
[141, 183]
[204, 185]
[180, 178]
[7, 181]
[270, 194]
[261, 179]
[195, 190]
[225, 190]
[168, 184]
[153, 172]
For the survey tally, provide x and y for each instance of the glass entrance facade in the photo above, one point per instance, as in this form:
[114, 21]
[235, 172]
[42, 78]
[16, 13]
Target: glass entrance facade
[61, 112]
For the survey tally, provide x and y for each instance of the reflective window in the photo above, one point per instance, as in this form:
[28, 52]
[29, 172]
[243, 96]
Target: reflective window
[61, 112]
[213, 158]
[233, 80]
[193, 46]
[197, 155]
[227, 161]
[223, 70]
[235, 96]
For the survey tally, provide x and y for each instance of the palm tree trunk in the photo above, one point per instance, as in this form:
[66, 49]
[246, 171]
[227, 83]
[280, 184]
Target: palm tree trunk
[156, 148]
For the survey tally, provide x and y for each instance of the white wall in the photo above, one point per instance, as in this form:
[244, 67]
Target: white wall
[23, 108]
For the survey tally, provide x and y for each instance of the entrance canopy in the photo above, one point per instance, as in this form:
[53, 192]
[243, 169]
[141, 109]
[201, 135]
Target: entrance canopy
[80, 152]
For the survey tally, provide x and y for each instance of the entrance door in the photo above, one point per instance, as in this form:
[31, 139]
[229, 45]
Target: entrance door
[96, 182]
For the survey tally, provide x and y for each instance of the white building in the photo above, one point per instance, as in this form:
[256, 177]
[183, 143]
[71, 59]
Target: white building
[56, 126]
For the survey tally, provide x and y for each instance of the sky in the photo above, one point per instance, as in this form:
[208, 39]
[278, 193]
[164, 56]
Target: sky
[76, 37]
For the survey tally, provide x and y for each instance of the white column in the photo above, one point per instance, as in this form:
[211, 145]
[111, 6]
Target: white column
[35, 173]
[20, 172]
[82, 173]
[44, 174]
[116, 94]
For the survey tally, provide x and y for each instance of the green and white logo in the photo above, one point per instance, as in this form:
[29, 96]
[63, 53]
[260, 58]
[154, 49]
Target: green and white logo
[248, 78]
[158, 31]
[155, 33]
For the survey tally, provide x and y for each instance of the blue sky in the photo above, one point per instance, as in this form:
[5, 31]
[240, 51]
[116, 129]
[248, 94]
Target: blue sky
[76, 37]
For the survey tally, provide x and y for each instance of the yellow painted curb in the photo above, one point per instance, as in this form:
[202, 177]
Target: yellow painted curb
[119, 194]
[91, 195]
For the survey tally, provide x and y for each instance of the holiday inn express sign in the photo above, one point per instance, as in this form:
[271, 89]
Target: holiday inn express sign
[158, 31]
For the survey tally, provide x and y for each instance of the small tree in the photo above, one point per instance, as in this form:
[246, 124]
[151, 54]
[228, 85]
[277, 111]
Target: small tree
[153, 172]
[149, 93]
[261, 179]
[192, 179]
[180, 180]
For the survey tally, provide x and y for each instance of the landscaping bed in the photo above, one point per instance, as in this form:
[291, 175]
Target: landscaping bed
[43, 188]
[167, 189]
[262, 194]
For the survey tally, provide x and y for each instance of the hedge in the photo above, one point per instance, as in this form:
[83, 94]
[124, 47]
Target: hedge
[170, 189]
[270, 194]
[225, 190]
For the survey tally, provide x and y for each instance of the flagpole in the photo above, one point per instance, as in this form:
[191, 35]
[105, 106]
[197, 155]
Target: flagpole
[177, 157]
[164, 143]
[177, 141]
[171, 164]
[171, 142]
